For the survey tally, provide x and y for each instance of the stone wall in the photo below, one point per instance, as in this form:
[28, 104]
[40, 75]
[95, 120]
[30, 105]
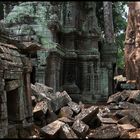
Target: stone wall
[15, 98]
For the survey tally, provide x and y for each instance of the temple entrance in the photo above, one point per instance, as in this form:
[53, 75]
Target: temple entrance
[12, 107]
[33, 75]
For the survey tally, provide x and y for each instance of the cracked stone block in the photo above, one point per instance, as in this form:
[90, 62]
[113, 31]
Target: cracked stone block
[59, 102]
[67, 132]
[86, 115]
[41, 106]
[124, 120]
[75, 107]
[115, 98]
[51, 130]
[134, 96]
[80, 128]
[125, 95]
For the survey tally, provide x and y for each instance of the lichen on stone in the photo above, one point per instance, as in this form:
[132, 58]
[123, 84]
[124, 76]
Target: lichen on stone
[33, 18]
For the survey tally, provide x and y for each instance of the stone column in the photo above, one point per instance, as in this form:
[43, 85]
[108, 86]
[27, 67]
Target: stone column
[27, 83]
[110, 42]
[28, 94]
[22, 108]
[53, 73]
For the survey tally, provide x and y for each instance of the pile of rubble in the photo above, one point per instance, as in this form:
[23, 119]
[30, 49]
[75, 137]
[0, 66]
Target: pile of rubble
[57, 116]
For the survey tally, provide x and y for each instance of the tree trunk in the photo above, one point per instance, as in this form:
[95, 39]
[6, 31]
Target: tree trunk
[132, 44]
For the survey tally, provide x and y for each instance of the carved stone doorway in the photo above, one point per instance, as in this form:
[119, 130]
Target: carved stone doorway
[12, 106]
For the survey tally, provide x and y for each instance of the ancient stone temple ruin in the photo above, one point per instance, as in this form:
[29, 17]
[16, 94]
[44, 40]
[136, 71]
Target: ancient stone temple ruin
[15, 94]
[73, 60]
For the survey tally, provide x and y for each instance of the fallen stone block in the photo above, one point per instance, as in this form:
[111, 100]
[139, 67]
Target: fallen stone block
[51, 130]
[40, 95]
[136, 115]
[115, 98]
[105, 132]
[74, 106]
[125, 94]
[65, 112]
[57, 103]
[67, 132]
[121, 113]
[87, 114]
[124, 120]
[127, 127]
[80, 128]
[134, 96]
[64, 93]
[41, 88]
[69, 121]
[41, 106]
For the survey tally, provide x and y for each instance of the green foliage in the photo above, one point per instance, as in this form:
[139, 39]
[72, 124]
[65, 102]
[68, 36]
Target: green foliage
[120, 23]
[119, 18]
[120, 54]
